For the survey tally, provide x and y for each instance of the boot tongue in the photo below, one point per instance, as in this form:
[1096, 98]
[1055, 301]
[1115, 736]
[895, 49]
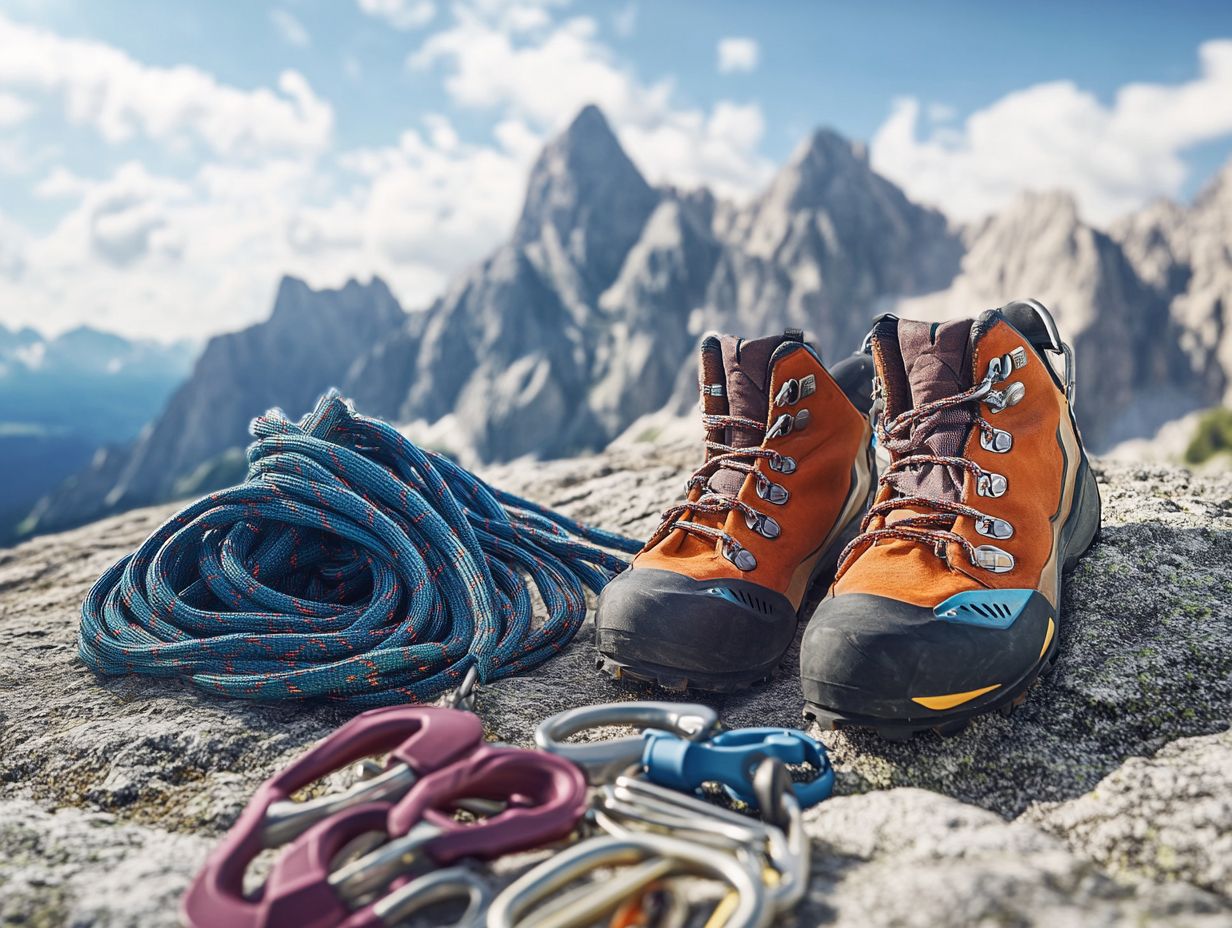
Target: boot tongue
[746, 371]
[937, 364]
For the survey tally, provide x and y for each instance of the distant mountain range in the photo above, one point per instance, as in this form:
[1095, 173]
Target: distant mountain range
[62, 398]
[585, 321]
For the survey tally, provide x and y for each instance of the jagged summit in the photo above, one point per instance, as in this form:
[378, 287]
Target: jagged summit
[819, 167]
[584, 320]
[295, 297]
[587, 198]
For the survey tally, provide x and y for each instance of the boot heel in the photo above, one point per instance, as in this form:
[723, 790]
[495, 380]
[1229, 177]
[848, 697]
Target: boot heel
[1082, 529]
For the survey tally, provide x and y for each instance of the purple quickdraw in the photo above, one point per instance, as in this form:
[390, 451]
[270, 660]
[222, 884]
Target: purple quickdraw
[542, 798]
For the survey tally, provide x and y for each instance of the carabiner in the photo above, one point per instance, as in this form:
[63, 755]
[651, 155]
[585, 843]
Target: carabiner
[731, 759]
[661, 855]
[545, 798]
[630, 803]
[433, 888]
[419, 739]
[603, 760]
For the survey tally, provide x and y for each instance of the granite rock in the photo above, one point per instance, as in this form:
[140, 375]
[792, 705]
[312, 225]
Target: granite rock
[1102, 801]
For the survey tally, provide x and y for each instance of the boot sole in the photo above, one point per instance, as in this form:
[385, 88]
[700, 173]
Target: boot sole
[1080, 532]
[675, 680]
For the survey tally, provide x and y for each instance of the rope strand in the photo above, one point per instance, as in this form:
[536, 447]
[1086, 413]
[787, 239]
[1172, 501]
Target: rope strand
[350, 565]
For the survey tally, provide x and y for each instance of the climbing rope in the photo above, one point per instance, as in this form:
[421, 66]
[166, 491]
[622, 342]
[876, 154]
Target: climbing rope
[350, 565]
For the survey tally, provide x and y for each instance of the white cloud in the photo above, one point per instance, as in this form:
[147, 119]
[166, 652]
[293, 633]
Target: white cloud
[545, 78]
[401, 14]
[103, 87]
[290, 29]
[738, 53]
[1114, 158]
[140, 252]
[13, 110]
[149, 255]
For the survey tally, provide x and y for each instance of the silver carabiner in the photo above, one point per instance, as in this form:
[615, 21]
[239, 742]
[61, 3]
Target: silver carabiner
[653, 857]
[287, 819]
[603, 760]
[783, 843]
[432, 888]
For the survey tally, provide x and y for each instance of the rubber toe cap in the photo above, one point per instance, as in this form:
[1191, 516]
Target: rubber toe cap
[648, 616]
[875, 656]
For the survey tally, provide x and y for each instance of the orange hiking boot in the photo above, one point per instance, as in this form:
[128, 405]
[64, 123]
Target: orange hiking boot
[713, 599]
[947, 605]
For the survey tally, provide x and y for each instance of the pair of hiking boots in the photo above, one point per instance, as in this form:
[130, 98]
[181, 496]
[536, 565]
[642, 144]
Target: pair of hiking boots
[936, 586]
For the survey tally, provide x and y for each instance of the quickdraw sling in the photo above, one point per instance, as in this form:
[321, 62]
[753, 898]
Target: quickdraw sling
[350, 565]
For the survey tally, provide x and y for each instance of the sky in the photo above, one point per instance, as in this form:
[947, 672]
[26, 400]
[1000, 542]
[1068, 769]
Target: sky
[163, 164]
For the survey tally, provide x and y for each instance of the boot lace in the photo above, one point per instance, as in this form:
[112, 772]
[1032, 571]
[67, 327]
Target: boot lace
[725, 456]
[904, 436]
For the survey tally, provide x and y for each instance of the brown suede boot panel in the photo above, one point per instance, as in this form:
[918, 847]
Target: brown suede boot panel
[746, 370]
[937, 363]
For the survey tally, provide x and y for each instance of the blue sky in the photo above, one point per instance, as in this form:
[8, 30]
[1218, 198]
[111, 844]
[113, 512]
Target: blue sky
[162, 164]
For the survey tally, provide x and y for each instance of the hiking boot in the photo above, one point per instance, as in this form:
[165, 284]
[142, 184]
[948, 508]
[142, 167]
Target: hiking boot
[713, 599]
[947, 605]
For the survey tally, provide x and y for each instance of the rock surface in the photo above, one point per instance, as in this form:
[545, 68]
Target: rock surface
[1103, 801]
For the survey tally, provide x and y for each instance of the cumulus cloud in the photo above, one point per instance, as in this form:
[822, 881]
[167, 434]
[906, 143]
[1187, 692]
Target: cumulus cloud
[401, 14]
[179, 251]
[151, 255]
[543, 79]
[738, 53]
[1114, 157]
[13, 110]
[103, 87]
[290, 29]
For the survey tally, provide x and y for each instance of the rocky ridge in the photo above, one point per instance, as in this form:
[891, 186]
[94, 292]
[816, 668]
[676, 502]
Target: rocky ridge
[582, 326]
[1102, 801]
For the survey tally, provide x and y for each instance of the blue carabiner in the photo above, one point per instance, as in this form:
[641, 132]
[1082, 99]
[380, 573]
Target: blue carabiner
[731, 758]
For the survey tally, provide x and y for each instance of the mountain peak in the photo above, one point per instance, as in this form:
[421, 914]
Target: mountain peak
[824, 164]
[584, 164]
[827, 147]
[1042, 207]
[585, 193]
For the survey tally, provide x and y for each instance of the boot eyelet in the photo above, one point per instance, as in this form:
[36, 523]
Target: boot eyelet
[992, 527]
[783, 464]
[788, 393]
[993, 559]
[739, 555]
[763, 525]
[784, 425]
[792, 391]
[999, 400]
[772, 492]
[990, 484]
[999, 442]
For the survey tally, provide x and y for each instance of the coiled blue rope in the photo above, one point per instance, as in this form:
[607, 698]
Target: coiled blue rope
[350, 565]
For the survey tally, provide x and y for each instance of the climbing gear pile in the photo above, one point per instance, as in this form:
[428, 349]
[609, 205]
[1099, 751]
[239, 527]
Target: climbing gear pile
[405, 838]
[353, 566]
[350, 565]
[713, 599]
[947, 605]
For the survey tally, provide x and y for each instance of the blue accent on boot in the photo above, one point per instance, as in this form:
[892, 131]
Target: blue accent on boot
[986, 608]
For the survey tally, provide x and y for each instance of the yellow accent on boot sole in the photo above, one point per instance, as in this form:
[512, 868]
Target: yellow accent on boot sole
[953, 699]
[1052, 628]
